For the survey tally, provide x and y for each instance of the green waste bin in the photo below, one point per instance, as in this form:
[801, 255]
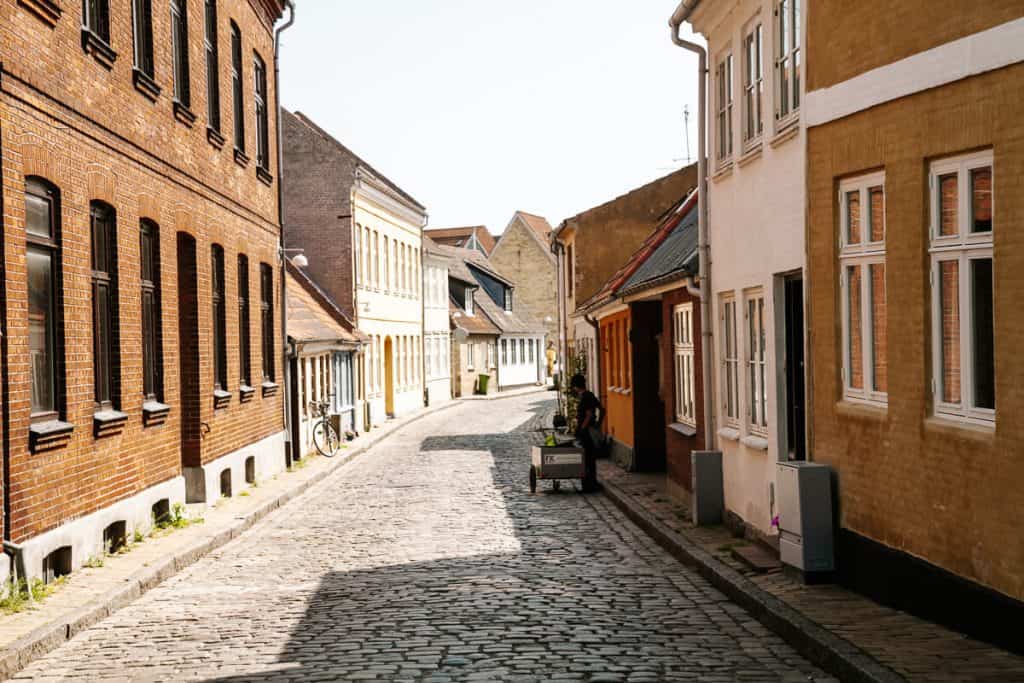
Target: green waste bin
[481, 383]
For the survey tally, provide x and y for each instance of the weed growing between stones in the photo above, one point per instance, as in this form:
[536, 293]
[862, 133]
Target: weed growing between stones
[16, 593]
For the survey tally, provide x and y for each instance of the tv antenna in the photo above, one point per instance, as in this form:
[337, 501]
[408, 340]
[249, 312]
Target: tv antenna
[686, 133]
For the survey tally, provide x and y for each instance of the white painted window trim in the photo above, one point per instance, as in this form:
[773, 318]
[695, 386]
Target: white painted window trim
[754, 31]
[792, 95]
[730, 364]
[962, 248]
[724, 100]
[862, 255]
[683, 361]
[756, 386]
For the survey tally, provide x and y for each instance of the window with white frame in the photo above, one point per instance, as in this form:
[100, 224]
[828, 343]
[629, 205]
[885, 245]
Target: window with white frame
[757, 390]
[787, 58]
[963, 339]
[753, 83]
[682, 344]
[730, 362]
[723, 78]
[491, 352]
[865, 369]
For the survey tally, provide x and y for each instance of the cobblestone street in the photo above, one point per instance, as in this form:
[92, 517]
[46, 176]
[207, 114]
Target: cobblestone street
[427, 558]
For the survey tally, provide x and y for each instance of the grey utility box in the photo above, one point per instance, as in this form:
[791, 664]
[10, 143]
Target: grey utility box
[708, 491]
[805, 517]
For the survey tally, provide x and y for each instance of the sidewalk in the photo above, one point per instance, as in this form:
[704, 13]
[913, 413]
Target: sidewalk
[510, 393]
[845, 633]
[91, 594]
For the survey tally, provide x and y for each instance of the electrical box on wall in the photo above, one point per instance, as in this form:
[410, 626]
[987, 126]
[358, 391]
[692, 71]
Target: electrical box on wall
[805, 517]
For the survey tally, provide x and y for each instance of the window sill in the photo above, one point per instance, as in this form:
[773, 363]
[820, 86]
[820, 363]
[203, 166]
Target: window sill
[49, 435]
[245, 393]
[154, 413]
[47, 10]
[958, 427]
[684, 429]
[145, 84]
[240, 158]
[269, 388]
[98, 48]
[108, 422]
[753, 152]
[221, 398]
[722, 171]
[787, 130]
[856, 409]
[754, 441]
[729, 433]
[184, 114]
[215, 138]
[264, 176]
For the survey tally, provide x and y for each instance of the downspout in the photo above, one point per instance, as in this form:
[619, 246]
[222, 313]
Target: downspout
[555, 248]
[681, 14]
[597, 350]
[286, 368]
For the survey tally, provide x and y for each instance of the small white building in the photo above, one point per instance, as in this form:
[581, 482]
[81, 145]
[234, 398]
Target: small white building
[323, 344]
[519, 348]
[437, 366]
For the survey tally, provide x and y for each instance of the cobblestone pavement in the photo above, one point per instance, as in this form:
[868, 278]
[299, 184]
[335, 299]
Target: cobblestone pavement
[428, 559]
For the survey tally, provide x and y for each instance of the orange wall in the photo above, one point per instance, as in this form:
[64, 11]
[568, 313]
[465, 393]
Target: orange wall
[617, 377]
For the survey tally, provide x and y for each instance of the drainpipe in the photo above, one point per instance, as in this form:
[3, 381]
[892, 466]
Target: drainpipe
[597, 351]
[681, 14]
[285, 367]
[691, 287]
[555, 248]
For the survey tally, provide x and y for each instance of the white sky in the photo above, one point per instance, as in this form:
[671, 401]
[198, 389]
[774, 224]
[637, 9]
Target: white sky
[478, 107]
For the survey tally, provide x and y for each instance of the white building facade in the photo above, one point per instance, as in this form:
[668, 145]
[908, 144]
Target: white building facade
[757, 192]
[387, 235]
[436, 326]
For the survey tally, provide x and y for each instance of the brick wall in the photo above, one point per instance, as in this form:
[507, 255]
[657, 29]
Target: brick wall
[84, 128]
[630, 218]
[318, 207]
[931, 488]
[846, 39]
[520, 257]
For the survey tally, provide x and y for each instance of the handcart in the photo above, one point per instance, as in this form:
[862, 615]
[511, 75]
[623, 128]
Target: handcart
[564, 460]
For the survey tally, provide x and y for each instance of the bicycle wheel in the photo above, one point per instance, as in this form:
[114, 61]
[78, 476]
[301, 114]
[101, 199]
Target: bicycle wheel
[326, 439]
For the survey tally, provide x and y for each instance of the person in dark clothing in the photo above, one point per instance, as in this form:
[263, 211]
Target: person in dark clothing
[589, 414]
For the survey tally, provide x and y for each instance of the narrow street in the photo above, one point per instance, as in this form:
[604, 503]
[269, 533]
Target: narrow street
[427, 558]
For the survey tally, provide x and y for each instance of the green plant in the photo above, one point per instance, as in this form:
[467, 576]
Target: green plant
[176, 518]
[16, 593]
[138, 536]
[577, 365]
[94, 562]
[244, 493]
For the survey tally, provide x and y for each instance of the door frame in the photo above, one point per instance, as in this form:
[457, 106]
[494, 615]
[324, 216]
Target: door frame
[782, 340]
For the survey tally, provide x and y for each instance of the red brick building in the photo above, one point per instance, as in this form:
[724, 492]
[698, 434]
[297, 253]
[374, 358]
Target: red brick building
[140, 293]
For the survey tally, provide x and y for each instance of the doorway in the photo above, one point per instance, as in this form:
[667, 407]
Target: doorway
[795, 388]
[389, 378]
[188, 352]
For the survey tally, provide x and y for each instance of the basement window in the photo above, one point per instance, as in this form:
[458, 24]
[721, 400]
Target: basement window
[161, 510]
[115, 537]
[250, 470]
[57, 564]
[225, 483]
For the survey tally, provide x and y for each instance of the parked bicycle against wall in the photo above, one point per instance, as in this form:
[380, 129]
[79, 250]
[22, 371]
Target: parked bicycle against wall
[325, 436]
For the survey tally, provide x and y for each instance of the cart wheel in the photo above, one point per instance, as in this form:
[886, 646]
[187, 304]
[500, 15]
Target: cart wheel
[556, 484]
[533, 479]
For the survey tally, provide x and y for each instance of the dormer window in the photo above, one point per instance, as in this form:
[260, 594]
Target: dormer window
[508, 299]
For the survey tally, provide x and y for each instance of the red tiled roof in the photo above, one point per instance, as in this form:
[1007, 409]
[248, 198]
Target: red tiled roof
[538, 224]
[457, 237]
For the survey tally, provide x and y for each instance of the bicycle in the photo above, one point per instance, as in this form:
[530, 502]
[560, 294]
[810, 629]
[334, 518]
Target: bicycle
[325, 436]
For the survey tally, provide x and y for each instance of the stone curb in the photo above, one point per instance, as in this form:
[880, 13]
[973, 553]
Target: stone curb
[514, 394]
[832, 653]
[49, 637]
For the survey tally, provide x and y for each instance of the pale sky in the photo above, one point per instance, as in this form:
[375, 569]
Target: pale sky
[478, 108]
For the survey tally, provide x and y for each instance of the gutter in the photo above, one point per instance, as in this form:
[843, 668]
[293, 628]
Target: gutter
[682, 13]
[286, 366]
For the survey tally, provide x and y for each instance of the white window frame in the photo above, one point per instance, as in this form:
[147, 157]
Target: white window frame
[684, 363]
[862, 255]
[469, 302]
[755, 361]
[723, 109]
[786, 15]
[492, 355]
[753, 85]
[730, 361]
[963, 248]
